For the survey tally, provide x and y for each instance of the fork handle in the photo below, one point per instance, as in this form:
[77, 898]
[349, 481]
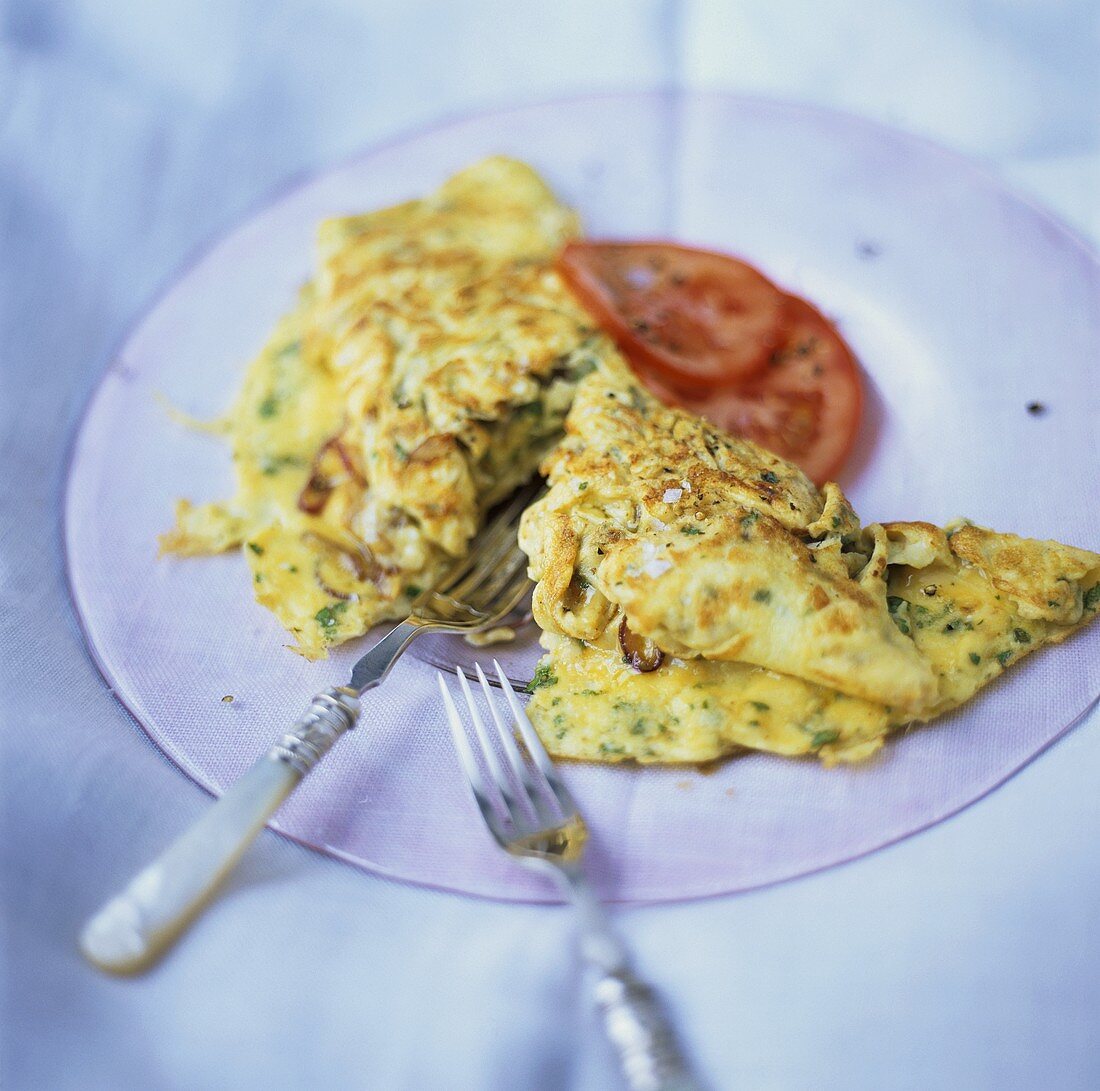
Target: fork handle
[131, 931]
[649, 1055]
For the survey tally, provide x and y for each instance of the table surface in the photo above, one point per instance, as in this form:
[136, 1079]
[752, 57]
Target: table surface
[130, 134]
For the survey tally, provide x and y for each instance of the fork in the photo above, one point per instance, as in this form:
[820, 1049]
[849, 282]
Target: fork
[132, 929]
[532, 816]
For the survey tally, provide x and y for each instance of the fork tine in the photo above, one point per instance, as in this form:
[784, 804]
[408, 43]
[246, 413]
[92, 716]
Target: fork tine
[520, 585]
[499, 531]
[535, 747]
[496, 770]
[535, 798]
[492, 563]
[507, 598]
[508, 571]
[469, 763]
[493, 541]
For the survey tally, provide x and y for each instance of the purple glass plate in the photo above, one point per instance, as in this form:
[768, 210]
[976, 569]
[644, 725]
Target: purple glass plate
[964, 304]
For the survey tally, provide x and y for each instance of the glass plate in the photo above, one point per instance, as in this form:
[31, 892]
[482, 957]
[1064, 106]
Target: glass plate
[964, 304]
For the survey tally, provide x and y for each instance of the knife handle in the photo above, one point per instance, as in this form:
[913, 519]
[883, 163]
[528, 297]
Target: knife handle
[133, 929]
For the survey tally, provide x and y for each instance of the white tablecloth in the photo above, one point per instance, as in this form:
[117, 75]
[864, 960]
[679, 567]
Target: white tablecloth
[132, 132]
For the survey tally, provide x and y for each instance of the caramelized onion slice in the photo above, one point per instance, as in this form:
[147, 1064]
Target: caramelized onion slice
[639, 651]
[331, 463]
[336, 575]
[314, 494]
[345, 562]
[345, 458]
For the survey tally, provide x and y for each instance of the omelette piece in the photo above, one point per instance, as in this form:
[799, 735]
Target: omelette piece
[426, 371]
[710, 547]
[985, 600]
[589, 705]
[699, 596]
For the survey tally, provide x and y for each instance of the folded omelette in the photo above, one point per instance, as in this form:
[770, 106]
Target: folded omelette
[699, 595]
[425, 372]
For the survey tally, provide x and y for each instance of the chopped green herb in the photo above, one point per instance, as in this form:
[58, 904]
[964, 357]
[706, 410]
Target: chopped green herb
[1092, 597]
[293, 568]
[559, 719]
[747, 523]
[269, 406]
[762, 594]
[899, 611]
[272, 464]
[691, 530]
[591, 692]
[1022, 636]
[256, 548]
[585, 366]
[412, 591]
[327, 616]
[582, 486]
[836, 521]
[760, 706]
[544, 676]
[823, 737]
[770, 477]
[259, 577]
[608, 748]
[1004, 657]
[638, 727]
[975, 658]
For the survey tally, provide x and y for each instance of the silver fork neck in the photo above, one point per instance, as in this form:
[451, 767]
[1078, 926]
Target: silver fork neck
[600, 944]
[373, 667]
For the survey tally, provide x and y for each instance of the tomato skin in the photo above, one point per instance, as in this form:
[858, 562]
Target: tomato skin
[710, 333]
[693, 317]
[806, 407]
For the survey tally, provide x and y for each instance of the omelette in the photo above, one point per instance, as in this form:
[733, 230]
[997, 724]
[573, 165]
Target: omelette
[423, 374]
[699, 596]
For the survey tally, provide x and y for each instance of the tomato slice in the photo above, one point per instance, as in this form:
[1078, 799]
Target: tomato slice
[805, 407]
[694, 317]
